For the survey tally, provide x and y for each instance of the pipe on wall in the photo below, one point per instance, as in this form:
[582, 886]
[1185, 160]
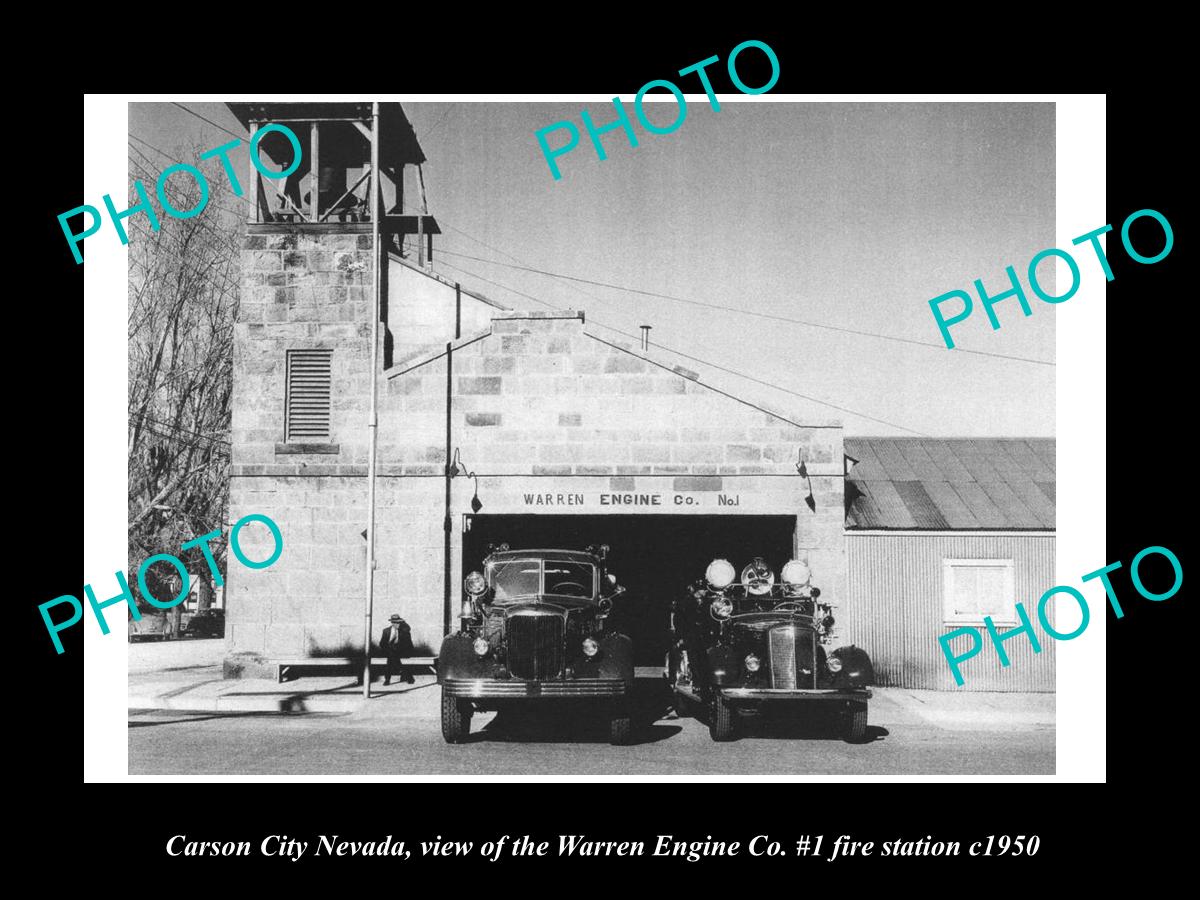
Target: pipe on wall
[373, 416]
[446, 524]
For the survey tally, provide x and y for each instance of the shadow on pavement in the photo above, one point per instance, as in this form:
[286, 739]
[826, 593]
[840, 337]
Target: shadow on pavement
[183, 717]
[350, 686]
[820, 725]
[379, 689]
[791, 723]
[548, 726]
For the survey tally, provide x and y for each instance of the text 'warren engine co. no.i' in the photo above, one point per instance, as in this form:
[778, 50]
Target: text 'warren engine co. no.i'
[622, 120]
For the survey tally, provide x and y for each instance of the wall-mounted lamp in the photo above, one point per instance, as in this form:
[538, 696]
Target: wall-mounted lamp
[457, 468]
[803, 472]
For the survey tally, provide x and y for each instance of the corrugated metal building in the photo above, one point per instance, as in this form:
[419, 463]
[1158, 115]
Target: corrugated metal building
[940, 533]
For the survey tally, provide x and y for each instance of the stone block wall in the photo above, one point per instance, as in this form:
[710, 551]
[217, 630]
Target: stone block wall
[306, 291]
[543, 406]
[300, 291]
[422, 310]
[540, 405]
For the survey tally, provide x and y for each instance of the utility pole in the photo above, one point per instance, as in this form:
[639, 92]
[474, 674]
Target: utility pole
[373, 419]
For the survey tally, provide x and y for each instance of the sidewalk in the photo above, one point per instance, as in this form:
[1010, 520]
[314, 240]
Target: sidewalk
[339, 694]
[969, 711]
[206, 691]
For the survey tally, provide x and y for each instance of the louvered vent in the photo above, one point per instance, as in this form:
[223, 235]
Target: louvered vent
[309, 375]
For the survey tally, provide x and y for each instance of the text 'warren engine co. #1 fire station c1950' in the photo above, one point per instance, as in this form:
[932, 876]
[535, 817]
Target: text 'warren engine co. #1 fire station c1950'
[399, 428]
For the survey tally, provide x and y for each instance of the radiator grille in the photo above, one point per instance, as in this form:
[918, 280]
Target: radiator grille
[535, 646]
[781, 645]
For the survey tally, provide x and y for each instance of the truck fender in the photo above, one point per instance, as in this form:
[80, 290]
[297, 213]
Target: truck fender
[724, 668]
[856, 665]
[457, 659]
[616, 657]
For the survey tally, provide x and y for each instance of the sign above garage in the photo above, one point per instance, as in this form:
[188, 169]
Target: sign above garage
[609, 498]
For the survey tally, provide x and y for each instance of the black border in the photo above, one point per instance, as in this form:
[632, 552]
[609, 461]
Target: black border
[1147, 403]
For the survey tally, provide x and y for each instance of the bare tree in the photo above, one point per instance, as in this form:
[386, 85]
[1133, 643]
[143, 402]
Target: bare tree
[183, 297]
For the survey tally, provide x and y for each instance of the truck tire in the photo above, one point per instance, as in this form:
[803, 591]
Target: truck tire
[855, 724]
[456, 719]
[722, 719]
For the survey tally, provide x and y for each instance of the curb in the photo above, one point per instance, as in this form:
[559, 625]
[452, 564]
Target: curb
[977, 718]
[960, 721]
[249, 703]
[219, 696]
[904, 709]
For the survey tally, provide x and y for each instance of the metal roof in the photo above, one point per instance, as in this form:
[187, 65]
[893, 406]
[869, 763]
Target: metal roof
[950, 484]
[398, 145]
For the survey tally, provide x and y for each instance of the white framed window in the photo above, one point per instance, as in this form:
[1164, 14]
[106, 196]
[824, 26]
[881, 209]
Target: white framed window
[974, 588]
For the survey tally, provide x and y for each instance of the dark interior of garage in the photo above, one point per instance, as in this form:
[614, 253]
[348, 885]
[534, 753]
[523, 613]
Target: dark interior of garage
[654, 557]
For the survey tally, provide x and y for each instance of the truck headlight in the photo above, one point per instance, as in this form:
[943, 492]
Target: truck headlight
[719, 574]
[590, 647]
[474, 584]
[835, 664]
[722, 608]
[481, 646]
[752, 663]
[795, 573]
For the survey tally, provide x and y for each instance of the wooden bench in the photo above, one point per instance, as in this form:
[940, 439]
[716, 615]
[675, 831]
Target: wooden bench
[283, 666]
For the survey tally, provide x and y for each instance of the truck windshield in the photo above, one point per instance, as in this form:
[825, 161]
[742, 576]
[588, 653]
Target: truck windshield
[525, 577]
[517, 578]
[569, 579]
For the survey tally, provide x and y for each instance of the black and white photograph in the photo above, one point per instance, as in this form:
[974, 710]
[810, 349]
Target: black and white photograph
[669, 437]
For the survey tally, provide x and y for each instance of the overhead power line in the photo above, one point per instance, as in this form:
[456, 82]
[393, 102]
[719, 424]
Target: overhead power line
[748, 312]
[663, 346]
[208, 120]
[698, 359]
[489, 247]
[441, 119]
[158, 172]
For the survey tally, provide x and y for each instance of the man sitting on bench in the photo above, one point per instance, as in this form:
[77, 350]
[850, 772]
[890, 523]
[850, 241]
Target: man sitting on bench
[396, 642]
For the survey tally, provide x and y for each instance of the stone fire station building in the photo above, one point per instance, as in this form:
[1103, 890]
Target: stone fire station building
[561, 435]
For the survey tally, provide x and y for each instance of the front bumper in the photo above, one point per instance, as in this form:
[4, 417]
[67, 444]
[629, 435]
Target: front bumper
[758, 695]
[486, 688]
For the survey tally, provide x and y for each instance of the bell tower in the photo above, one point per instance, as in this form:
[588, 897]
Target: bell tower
[332, 189]
[312, 168]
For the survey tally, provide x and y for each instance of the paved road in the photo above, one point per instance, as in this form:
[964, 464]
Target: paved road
[375, 741]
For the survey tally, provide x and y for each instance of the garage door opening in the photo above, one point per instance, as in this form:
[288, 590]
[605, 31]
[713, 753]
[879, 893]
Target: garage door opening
[655, 557]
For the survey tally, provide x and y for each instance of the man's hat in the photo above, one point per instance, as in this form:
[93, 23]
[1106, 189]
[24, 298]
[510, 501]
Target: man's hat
[395, 618]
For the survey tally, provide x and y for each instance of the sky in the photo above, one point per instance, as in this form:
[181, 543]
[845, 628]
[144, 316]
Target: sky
[845, 215]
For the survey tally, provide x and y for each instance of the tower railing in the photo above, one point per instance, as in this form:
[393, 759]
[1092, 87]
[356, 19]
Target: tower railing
[302, 198]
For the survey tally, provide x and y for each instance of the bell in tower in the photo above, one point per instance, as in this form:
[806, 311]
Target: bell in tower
[315, 170]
